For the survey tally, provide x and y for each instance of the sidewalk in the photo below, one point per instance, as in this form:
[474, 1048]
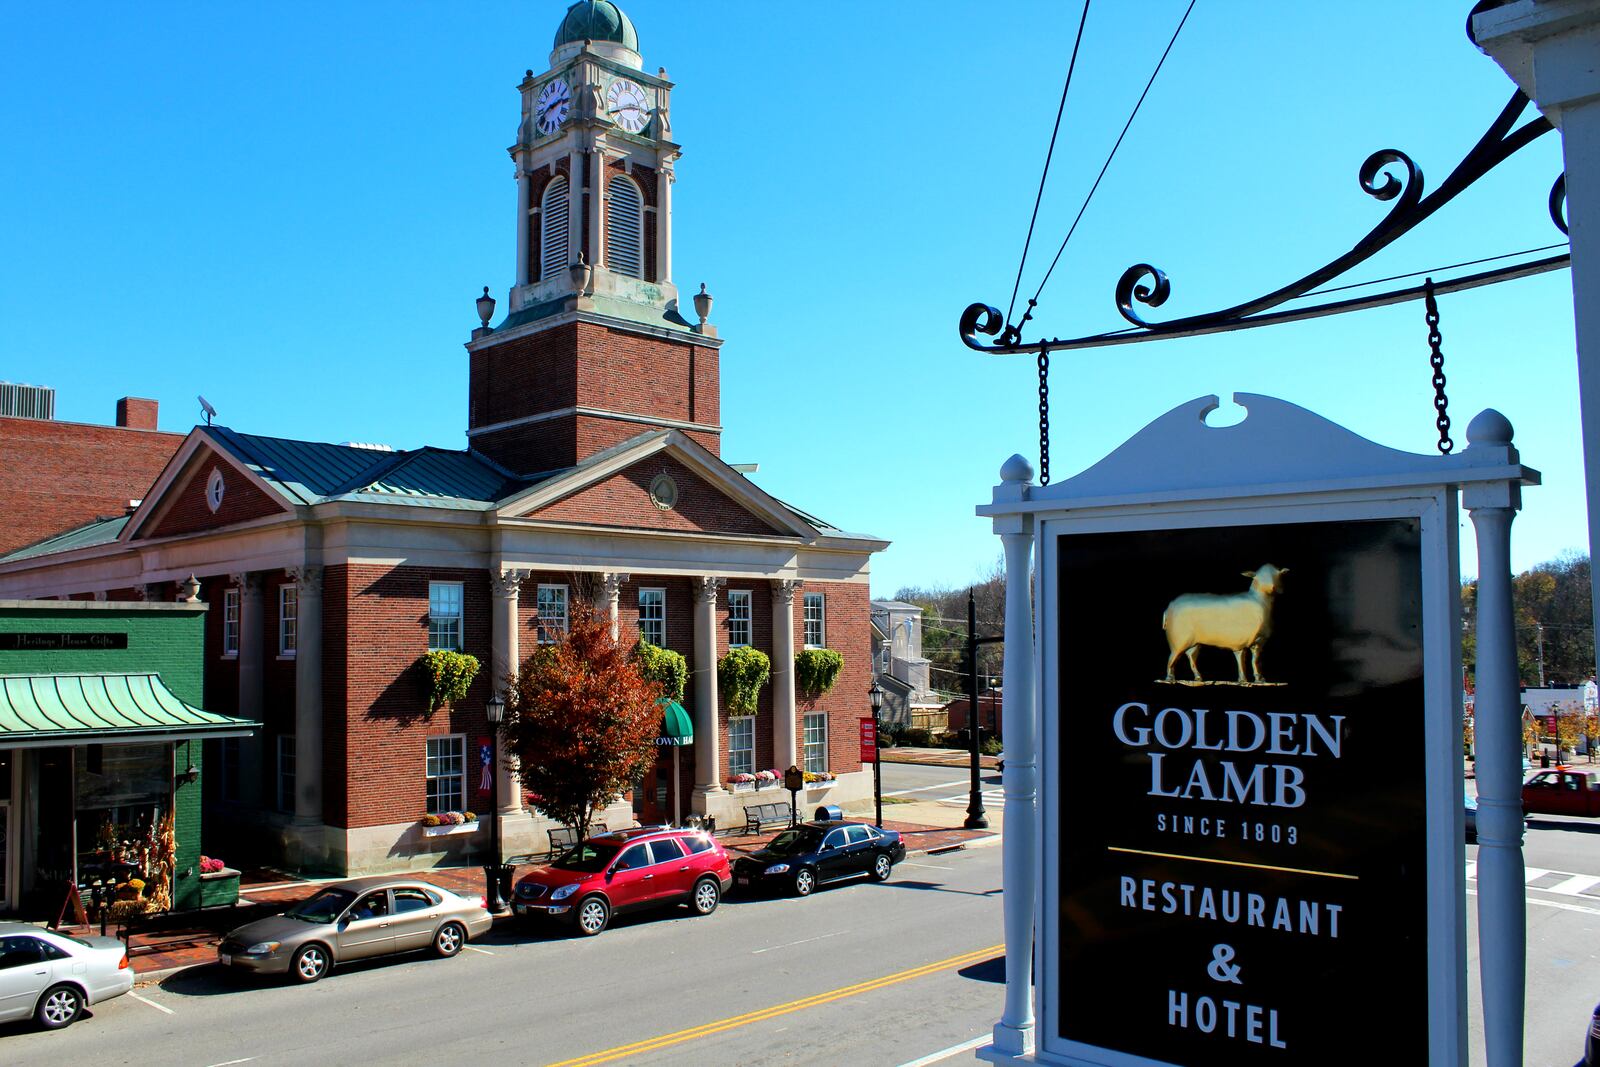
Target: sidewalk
[937, 757]
[154, 956]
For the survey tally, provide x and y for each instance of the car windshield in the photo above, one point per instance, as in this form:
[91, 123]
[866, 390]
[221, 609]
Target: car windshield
[793, 842]
[588, 858]
[325, 907]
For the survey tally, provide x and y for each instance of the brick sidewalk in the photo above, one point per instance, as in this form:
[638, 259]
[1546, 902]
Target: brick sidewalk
[155, 955]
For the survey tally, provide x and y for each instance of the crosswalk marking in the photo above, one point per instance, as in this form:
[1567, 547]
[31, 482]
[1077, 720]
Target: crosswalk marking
[1530, 873]
[1574, 884]
[1570, 885]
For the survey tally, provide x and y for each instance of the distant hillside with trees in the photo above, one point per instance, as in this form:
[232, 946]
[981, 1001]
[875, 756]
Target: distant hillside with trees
[1554, 624]
[944, 629]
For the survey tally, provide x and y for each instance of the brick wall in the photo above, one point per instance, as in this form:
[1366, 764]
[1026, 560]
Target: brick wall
[58, 475]
[624, 500]
[188, 509]
[848, 632]
[137, 413]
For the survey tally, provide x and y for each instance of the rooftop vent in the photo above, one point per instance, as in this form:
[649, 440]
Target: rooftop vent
[27, 401]
[368, 446]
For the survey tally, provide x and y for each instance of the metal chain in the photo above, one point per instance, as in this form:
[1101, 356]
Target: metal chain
[1441, 403]
[1044, 414]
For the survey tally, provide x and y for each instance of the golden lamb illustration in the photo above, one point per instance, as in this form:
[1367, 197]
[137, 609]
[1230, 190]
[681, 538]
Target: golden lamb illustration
[1240, 622]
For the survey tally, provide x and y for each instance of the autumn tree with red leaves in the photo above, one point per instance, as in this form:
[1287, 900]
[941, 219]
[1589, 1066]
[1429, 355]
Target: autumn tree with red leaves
[581, 722]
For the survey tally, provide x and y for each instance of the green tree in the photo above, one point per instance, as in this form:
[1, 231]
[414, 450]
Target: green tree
[1551, 614]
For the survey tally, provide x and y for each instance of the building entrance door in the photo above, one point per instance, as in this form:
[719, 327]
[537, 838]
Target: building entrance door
[650, 798]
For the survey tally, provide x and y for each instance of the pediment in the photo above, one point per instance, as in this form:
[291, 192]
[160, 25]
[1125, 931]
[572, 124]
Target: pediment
[202, 488]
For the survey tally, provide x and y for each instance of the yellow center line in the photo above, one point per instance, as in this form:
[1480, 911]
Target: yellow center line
[1234, 863]
[707, 1029]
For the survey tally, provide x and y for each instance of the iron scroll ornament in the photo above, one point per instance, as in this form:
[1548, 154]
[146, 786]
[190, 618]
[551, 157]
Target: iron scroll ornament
[1147, 286]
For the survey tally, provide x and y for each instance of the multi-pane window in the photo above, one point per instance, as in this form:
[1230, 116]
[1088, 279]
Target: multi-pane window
[552, 613]
[817, 741]
[816, 633]
[444, 616]
[288, 618]
[230, 622]
[286, 772]
[738, 617]
[653, 616]
[742, 745]
[447, 773]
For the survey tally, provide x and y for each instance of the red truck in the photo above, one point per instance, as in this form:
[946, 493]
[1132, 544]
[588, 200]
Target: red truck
[1562, 791]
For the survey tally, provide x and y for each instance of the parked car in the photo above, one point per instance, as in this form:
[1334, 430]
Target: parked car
[1563, 791]
[52, 976]
[353, 920]
[626, 870]
[805, 856]
[1591, 1041]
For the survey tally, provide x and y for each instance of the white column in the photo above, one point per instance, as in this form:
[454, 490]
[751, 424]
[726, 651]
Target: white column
[308, 695]
[505, 659]
[523, 235]
[611, 588]
[785, 751]
[252, 658]
[1013, 1034]
[1497, 725]
[707, 741]
[575, 206]
[597, 185]
[664, 179]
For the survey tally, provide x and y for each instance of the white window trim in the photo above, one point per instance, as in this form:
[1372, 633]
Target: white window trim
[288, 587]
[748, 620]
[662, 591]
[461, 619]
[822, 621]
[538, 608]
[804, 744]
[751, 720]
[230, 607]
[461, 797]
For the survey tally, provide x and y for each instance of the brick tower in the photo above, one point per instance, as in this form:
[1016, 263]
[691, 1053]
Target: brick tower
[595, 349]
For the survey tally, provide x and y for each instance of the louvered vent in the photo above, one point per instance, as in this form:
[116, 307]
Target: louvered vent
[553, 216]
[624, 228]
[27, 401]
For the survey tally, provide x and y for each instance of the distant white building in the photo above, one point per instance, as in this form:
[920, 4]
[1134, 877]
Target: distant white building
[898, 662]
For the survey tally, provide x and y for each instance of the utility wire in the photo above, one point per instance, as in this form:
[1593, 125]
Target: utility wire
[1113, 155]
[1434, 270]
[1071, 64]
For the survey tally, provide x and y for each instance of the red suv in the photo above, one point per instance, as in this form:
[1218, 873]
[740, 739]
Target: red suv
[626, 870]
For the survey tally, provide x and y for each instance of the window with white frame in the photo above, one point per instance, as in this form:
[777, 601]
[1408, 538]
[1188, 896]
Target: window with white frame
[624, 227]
[444, 616]
[653, 616]
[742, 745]
[816, 633]
[447, 773]
[738, 617]
[286, 772]
[288, 618]
[552, 613]
[230, 622]
[553, 210]
[817, 741]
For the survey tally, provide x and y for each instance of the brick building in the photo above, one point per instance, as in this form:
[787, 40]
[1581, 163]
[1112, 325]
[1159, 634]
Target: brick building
[592, 473]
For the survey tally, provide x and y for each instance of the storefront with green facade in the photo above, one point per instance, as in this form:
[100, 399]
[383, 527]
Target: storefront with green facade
[101, 738]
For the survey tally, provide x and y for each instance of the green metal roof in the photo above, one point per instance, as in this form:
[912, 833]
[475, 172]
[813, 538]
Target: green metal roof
[596, 20]
[55, 709]
[98, 532]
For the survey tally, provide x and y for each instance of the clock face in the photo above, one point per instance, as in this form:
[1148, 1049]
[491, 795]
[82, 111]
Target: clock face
[551, 110]
[627, 105]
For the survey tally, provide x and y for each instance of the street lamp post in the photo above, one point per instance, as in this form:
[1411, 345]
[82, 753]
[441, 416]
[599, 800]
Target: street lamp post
[496, 712]
[876, 694]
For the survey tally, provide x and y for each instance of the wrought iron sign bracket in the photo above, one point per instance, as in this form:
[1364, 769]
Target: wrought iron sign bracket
[1146, 285]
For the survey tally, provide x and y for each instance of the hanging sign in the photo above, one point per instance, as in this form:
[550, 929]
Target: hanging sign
[869, 741]
[61, 642]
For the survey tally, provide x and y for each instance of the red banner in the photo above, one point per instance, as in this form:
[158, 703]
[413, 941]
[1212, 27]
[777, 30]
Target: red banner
[1550, 724]
[869, 741]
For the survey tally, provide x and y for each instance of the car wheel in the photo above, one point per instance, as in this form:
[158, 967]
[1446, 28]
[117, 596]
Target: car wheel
[592, 916]
[310, 963]
[881, 866]
[804, 882]
[448, 941]
[60, 1006]
[707, 894]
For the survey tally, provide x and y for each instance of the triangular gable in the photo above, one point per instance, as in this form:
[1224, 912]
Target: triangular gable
[615, 490]
[180, 502]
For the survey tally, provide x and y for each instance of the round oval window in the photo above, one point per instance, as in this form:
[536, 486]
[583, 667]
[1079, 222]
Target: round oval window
[664, 492]
[214, 489]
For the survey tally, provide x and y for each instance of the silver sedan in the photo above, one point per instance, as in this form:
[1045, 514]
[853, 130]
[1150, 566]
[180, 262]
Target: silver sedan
[51, 976]
[354, 920]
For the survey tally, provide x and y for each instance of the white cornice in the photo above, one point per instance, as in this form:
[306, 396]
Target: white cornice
[563, 318]
[156, 503]
[599, 413]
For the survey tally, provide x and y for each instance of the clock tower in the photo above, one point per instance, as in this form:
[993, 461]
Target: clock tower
[594, 349]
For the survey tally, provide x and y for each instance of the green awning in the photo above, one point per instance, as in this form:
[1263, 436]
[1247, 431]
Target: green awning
[677, 728]
[65, 709]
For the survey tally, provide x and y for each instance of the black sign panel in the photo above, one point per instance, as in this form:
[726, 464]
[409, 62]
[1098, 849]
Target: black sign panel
[1242, 866]
[57, 642]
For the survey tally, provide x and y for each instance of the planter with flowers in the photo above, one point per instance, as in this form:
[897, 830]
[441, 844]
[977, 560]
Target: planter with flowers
[449, 822]
[219, 883]
[745, 782]
[816, 781]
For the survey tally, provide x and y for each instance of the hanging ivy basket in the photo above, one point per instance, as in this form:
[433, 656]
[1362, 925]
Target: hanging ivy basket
[662, 665]
[816, 670]
[450, 675]
[740, 675]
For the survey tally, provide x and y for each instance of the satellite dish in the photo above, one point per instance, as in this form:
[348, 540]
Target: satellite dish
[205, 406]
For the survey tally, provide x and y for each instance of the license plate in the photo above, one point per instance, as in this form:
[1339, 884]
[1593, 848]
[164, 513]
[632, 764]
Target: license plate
[224, 958]
[742, 880]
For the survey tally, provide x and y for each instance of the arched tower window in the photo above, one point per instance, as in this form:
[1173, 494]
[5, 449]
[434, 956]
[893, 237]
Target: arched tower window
[624, 227]
[553, 211]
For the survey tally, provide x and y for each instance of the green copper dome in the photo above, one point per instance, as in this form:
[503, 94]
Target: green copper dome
[597, 20]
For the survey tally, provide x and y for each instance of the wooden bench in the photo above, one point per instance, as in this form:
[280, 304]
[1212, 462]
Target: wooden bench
[758, 815]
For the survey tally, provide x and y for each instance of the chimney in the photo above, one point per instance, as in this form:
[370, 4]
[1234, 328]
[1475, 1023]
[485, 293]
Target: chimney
[136, 413]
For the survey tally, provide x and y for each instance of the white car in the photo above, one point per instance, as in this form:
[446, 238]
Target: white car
[51, 976]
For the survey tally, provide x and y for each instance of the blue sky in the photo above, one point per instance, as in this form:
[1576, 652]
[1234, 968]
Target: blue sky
[289, 208]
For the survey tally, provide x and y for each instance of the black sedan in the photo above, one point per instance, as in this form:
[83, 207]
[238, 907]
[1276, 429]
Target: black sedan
[805, 856]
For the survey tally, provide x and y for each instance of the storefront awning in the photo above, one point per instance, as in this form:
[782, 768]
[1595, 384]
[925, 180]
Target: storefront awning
[37, 710]
[677, 728]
